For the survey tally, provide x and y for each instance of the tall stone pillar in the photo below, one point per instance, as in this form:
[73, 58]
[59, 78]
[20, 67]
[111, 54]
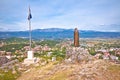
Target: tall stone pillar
[76, 37]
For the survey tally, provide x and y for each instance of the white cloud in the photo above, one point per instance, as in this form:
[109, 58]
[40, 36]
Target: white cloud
[84, 14]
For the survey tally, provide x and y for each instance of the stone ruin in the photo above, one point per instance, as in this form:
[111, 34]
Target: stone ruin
[77, 55]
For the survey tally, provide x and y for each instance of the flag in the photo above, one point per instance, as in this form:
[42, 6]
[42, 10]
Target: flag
[29, 15]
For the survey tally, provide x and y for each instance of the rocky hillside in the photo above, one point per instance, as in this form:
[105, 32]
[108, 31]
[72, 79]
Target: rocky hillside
[92, 70]
[78, 65]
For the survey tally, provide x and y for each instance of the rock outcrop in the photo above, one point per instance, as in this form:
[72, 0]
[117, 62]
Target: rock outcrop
[77, 55]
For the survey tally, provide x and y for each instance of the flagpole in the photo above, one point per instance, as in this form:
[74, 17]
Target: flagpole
[30, 54]
[30, 34]
[29, 17]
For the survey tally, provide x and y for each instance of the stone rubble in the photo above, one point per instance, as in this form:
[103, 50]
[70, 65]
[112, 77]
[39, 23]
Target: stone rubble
[90, 70]
[77, 54]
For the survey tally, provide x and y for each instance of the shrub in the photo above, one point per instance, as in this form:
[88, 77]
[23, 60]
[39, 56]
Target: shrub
[7, 75]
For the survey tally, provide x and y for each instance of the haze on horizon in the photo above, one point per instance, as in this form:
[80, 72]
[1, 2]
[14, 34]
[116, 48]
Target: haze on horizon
[99, 15]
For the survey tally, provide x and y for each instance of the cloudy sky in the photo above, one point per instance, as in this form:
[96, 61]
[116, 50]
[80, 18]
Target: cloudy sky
[100, 15]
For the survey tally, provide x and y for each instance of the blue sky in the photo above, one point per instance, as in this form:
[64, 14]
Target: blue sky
[100, 15]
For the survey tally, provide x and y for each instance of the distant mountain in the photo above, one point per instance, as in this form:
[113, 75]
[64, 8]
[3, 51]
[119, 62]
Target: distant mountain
[49, 30]
[57, 33]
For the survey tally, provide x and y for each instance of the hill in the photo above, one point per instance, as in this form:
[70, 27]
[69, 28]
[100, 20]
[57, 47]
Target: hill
[94, 70]
[56, 33]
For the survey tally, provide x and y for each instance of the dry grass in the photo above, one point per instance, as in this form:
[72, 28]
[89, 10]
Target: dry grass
[55, 71]
[36, 73]
[61, 75]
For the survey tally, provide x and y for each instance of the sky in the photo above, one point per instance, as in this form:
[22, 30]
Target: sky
[99, 15]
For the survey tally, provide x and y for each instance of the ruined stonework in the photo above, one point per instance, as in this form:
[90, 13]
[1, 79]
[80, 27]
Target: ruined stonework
[77, 54]
[76, 37]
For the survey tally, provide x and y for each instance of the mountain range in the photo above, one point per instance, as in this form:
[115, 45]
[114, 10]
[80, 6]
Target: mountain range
[58, 33]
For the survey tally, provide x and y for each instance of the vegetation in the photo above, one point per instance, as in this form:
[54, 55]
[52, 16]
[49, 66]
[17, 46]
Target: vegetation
[12, 47]
[50, 43]
[92, 51]
[14, 40]
[59, 54]
[62, 75]
[8, 75]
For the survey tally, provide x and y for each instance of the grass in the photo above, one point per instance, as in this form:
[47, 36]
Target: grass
[60, 75]
[48, 72]
[113, 72]
[114, 68]
[8, 75]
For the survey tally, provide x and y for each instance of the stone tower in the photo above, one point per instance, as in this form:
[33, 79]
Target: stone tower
[76, 37]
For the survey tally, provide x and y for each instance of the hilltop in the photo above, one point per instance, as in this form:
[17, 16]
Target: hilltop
[77, 65]
[93, 70]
